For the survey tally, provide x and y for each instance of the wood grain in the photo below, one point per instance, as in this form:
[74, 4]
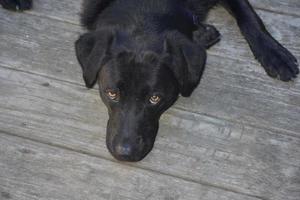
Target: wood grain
[200, 149]
[43, 172]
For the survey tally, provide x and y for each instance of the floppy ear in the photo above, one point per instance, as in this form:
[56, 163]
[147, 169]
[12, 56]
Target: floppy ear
[91, 52]
[187, 62]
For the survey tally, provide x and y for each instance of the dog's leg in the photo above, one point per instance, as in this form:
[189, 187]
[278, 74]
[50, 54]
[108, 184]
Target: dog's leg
[206, 35]
[16, 5]
[276, 60]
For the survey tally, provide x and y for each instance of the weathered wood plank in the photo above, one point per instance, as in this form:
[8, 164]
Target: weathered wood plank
[42, 46]
[68, 10]
[288, 7]
[31, 170]
[194, 147]
[244, 99]
[258, 99]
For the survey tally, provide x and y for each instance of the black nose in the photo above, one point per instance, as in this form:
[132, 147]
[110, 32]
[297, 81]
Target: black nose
[123, 150]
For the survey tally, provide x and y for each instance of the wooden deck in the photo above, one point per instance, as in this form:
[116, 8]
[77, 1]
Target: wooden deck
[236, 138]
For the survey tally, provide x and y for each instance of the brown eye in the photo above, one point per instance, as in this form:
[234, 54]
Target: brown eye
[112, 95]
[154, 99]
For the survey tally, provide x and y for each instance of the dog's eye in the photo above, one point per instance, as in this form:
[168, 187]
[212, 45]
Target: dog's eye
[154, 99]
[112, 95]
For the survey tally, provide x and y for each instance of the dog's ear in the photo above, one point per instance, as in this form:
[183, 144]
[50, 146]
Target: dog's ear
[92, 52]
[187, 62]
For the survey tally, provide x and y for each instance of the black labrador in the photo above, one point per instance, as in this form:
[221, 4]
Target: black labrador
[144, 53]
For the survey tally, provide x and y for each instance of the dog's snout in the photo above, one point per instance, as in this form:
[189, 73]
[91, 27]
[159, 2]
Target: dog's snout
[129, 142]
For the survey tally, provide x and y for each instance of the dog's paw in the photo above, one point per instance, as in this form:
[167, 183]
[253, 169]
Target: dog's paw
[277, 61]
[206, 35]
[16, 5]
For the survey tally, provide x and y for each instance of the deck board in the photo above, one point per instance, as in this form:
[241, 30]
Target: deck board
[43, 172]
[201, 149]
[237, 137]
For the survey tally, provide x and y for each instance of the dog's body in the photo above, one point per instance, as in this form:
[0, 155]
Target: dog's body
[144, 53]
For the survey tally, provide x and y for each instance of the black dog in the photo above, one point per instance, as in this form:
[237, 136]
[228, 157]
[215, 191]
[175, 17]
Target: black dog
[144, 53]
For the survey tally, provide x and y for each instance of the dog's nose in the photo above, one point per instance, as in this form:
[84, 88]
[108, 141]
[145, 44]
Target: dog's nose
[124, 150]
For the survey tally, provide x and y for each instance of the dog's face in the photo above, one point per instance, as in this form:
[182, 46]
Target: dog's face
[136, 87]
[136, 92]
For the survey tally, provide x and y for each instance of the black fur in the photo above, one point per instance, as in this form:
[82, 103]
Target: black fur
[138, 50]
[16, 5]
[91, 9]
[277, 61]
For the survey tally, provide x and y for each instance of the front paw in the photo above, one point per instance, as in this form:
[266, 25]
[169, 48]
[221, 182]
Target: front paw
[16, 5]
[277, 61]
[206, 35]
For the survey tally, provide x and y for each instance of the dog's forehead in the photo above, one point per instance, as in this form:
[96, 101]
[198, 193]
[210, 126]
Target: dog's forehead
[133, 76]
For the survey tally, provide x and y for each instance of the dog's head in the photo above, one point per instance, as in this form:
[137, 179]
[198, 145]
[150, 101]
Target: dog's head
[137, 86]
